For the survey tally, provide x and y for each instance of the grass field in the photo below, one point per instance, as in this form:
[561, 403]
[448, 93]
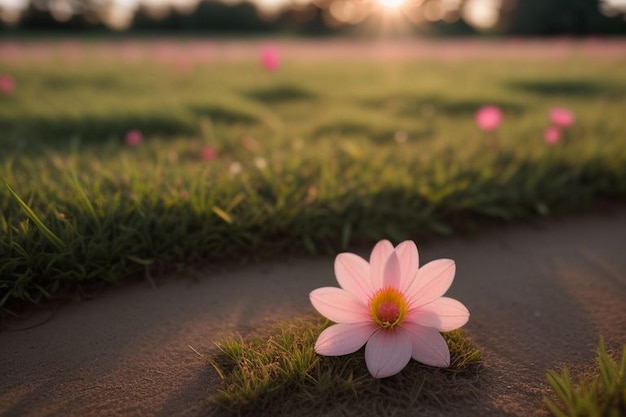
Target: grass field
[318, 156]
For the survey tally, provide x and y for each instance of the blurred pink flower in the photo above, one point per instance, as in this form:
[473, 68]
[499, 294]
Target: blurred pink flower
[270, 58]
[391, 306]
[552, 135]
[133, 137]
[561, 117]
[488, 118]
[131, 51]
[70, 50]
[7, 84]
[183, 66]
[165, 51]
[208, 153]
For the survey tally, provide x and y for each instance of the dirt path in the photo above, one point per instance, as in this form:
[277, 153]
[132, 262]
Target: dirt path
[540, 294]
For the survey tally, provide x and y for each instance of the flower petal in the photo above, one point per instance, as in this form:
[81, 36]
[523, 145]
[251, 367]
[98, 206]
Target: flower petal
[339, 305]
[387, 352]
[353, 275]
[378, 260]
[443, 314]
[431, 282]
[392, 273]
[428, 345]
[342, 339]
[409, 262]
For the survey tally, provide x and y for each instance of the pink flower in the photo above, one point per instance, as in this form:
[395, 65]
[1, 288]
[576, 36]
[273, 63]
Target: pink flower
[552, 135]
[270, 58]
[208, 153]
[488, 118]
[391, 306]
[133, 137]
[7, 84]
[183, 66]
[561, 117]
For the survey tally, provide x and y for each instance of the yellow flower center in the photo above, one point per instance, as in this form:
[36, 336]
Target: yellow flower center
[388, 308]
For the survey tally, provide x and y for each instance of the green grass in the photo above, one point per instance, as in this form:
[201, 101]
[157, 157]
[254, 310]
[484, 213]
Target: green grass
[332, 155]
[278, 373]
[600, 395]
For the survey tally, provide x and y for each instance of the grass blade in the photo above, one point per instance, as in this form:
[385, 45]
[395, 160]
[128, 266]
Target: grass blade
[222, 215]
[49, 234]
[603, 394]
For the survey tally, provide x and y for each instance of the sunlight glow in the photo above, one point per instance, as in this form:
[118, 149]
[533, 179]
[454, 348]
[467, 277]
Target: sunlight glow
[391, 4]
[482, 14]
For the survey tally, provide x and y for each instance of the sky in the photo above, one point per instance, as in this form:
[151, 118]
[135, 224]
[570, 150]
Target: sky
[480, 13]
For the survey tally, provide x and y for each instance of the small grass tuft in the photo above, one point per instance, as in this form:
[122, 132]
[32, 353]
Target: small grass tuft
[600, 395]
[278, 373]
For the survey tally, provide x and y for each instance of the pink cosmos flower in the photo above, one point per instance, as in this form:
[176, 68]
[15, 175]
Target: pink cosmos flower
[270, 58]
[561, 117]
[488, 118]
[7, 84]
[552, 135]
[391, 306]
[208, 153]
[133, 137]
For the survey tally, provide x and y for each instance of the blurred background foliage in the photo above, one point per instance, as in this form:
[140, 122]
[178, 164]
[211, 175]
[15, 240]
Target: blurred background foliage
[317, 17]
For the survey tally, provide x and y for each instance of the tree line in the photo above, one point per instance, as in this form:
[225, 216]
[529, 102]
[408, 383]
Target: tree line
[517, 17]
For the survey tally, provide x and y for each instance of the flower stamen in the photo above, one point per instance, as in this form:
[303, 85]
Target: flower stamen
[388, 308]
